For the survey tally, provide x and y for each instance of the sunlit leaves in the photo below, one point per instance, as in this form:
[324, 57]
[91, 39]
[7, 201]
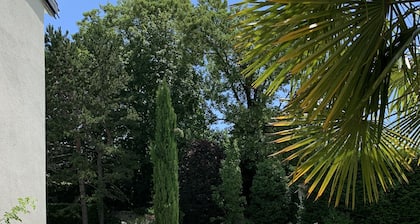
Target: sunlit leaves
[333, 157]
[354, 65]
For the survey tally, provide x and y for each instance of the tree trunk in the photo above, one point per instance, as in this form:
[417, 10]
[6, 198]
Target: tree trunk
[83, 204]
[101, 187]
[82, 188]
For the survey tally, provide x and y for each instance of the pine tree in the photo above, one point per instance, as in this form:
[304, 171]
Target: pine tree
[164, 155]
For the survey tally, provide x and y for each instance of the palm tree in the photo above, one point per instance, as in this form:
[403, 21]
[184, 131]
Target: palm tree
[352, 67]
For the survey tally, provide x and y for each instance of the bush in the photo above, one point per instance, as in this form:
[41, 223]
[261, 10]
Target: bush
[270, 196]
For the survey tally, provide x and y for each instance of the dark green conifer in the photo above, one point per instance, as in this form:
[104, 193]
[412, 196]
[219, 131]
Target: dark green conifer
[229, 193]
[271, 198]
[165, 161]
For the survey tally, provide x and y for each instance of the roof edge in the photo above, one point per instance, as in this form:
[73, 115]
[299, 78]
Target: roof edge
[52, 7]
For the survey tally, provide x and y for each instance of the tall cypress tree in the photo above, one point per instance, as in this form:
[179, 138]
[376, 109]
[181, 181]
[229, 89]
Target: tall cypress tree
[165, 161]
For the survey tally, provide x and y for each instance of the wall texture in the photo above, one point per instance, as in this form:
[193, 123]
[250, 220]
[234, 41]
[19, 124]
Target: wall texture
[22, 109]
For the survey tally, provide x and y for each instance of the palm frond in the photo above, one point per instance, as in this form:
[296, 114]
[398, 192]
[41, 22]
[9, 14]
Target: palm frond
[350, 62]
[333, 157]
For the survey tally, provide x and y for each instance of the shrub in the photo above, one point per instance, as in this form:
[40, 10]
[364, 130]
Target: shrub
[270, 196]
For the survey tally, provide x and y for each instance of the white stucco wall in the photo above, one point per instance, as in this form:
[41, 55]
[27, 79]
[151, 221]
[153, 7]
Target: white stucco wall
[22, 108]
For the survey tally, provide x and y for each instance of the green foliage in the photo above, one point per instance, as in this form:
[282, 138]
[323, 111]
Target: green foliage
[164, 156]
[232, 99]
[342, 60]
[399, 205]
[320, 212]
[229, 193]
[271, 199]
[106, 78]
[155, 47]
[101, 88]
[87, 115]
[101, 113]
[24, 206]
[336, 217]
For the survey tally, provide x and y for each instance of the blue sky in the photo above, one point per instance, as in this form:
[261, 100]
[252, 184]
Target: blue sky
[72, 11]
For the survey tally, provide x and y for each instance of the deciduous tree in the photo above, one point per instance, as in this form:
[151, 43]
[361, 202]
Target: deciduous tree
[199, 174]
